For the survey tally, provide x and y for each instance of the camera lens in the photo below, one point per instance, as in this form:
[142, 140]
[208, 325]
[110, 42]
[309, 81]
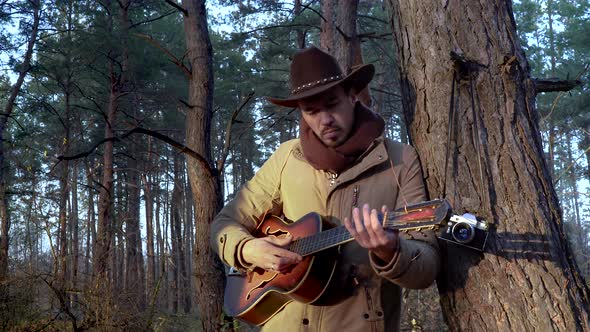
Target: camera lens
[463, 232]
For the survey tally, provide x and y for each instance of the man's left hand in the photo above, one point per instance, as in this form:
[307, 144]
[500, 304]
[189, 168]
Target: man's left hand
[367, 230]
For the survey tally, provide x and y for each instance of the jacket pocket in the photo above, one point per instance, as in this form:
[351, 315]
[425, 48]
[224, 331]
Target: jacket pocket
[373, 315]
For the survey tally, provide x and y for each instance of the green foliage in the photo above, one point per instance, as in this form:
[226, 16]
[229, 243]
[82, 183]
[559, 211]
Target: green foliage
[563, 50]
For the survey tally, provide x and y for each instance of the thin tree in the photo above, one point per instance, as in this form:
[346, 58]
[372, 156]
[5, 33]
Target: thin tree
[24, 68]
[104, 234]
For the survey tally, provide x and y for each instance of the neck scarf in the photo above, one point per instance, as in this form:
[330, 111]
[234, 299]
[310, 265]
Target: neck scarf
[367, 127]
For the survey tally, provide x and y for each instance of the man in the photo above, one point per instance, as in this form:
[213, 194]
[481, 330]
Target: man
[340, 167]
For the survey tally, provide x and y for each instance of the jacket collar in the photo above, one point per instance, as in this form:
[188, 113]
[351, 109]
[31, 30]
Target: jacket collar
[375, 155]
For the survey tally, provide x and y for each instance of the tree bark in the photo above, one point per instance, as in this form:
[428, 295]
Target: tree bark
[105, 196]
[208, 270]
[4, 117]
[301, 32]
[339, 36]
[527, 279]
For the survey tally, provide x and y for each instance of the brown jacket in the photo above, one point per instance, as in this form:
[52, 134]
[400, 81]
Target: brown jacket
[287, 183]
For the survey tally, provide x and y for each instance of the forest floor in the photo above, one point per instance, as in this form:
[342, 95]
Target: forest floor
[181, 323]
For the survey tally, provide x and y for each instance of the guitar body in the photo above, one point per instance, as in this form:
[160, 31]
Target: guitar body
[259, 294]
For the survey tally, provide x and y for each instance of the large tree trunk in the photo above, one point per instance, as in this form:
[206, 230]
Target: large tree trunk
[9, 106]
[527, 279]
[204, 183]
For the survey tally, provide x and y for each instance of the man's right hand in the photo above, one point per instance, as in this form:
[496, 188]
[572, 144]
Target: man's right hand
[269, 253]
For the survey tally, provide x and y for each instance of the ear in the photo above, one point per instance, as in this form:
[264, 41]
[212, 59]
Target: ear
[353, 96]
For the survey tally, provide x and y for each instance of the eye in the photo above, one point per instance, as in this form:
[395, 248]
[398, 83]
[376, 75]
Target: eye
[310, 111]
[331, 103]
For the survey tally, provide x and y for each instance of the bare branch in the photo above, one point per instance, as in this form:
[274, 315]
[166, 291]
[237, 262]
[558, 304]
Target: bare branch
[554, 84]
[374, 19]
[280, 26]
[177, 6]
[373, 35]
[225, 151]
[386, 92]
[171, 56]
[562, 93]
[181, 147]
[152, 19]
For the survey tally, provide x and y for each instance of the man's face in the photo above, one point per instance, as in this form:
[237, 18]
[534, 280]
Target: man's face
[330, 115]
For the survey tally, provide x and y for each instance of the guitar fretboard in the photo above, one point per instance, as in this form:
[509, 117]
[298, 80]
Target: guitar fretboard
[340, 235]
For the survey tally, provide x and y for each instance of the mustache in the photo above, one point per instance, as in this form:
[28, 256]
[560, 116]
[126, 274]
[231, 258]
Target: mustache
[330, 129]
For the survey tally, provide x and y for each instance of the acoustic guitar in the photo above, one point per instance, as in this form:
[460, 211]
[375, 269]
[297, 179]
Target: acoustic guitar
[255, 296]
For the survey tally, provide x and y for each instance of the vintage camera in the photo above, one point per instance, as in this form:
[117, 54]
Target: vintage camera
[466, 230]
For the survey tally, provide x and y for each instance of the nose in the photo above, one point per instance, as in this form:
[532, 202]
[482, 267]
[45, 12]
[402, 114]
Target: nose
[326, 118]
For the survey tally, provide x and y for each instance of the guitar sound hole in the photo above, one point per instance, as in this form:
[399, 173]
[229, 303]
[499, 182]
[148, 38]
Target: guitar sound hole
[277, 232]
[261, 285]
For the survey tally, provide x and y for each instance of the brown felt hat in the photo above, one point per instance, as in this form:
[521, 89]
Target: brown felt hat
[314, 71]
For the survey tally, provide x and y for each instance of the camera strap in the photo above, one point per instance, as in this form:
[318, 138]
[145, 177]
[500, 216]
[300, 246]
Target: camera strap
[464, 70]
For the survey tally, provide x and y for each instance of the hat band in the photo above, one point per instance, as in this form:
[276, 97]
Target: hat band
[310, 85]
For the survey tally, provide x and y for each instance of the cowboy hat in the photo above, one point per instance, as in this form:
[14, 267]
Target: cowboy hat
[314, 71]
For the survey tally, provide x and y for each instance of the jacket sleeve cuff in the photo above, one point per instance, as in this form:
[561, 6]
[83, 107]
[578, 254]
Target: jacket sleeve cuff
[407, 252]
[232, 244]
[242, 264]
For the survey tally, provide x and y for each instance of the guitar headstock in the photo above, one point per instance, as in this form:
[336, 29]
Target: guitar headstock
[429, 215]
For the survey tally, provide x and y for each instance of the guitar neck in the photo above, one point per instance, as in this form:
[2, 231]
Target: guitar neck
[417, 217]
